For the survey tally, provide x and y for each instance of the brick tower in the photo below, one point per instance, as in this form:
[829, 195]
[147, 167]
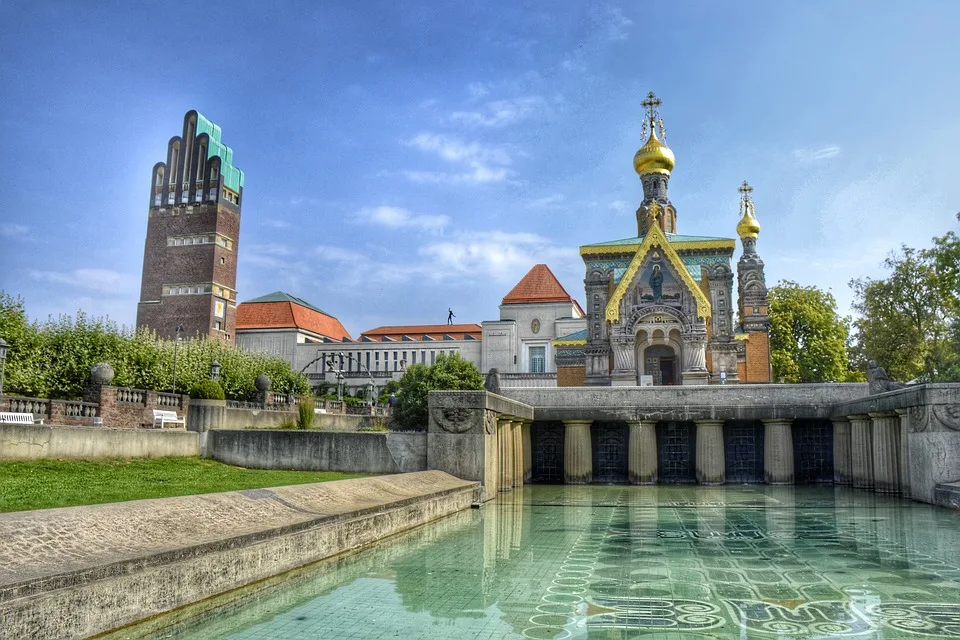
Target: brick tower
[190, 255]
[753, 303]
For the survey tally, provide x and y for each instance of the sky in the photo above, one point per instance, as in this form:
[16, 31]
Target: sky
[403, 158]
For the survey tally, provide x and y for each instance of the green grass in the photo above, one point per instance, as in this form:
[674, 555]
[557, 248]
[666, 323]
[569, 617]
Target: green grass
[43, 484]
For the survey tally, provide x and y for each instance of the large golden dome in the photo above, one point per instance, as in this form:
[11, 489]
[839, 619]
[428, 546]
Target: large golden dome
[654, 156]
[748, 227]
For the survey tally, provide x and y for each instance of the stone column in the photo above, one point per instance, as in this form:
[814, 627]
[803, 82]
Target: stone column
[778, 451]
[642, 452]
[904, 415]
[577, 452]
[527, 450]
[886, 461]
[517, 453]
[842, 471]
[711, 465]
[861, 451]
[506, 453]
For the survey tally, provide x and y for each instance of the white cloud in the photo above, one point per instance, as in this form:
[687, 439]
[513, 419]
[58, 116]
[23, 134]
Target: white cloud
[554, 201]
[478, 90]
[814, 155]
[397, 217]
[13, 230]
[482, 163]
[500, 255]
[270, 249]
[100, 280]
[500, 113]
[620, 206]
[338, 254]
[614, 23]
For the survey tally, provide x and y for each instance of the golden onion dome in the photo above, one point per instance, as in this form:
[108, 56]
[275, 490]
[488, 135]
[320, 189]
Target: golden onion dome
[748, 227]
[654, 156]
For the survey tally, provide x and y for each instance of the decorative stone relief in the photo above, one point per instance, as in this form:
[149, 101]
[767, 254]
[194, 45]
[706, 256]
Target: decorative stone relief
[490, 422]
[948, 415]
[456, 419]
[918, 418]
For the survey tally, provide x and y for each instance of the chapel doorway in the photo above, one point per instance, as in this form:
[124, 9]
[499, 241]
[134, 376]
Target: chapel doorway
[660, 361]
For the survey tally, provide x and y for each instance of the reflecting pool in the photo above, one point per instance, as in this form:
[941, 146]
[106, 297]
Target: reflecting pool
[624, 562]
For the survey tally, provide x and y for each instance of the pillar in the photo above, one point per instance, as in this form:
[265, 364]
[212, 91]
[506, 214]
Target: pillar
[504, 426]
[517, 453]
[577, 452]
[842, 470]
[642, 452]
[711, 465]
[527, 450]
[861, 451]
[904, 415]
[886, 459]
[778, 451]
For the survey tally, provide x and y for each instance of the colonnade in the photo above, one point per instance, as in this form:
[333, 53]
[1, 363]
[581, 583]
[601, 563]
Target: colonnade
[514, 453]
[870, 451]
[642, 464]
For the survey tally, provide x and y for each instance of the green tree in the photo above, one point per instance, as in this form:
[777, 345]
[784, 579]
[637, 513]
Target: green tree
[909, 320]
[808, 340]
[449, 373]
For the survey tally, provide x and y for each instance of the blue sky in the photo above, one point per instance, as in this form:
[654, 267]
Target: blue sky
[401, 158]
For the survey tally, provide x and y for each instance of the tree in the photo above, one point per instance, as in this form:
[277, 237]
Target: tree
[808, 340]
[449, 373]
[909, 321]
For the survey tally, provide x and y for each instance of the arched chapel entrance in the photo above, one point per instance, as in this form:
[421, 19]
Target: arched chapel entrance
[661, 362]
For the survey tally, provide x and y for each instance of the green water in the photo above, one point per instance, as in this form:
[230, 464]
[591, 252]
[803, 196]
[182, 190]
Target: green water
[628, 562]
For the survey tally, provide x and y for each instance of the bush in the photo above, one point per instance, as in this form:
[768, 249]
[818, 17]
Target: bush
[207, 390]
[450, 373]
[305, 413]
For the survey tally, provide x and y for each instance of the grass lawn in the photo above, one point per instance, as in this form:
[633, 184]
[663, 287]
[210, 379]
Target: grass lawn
[42, 484]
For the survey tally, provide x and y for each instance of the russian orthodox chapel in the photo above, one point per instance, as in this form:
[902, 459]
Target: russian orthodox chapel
[660, 306]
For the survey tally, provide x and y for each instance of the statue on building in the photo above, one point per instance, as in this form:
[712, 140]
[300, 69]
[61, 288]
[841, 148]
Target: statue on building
[879, 381]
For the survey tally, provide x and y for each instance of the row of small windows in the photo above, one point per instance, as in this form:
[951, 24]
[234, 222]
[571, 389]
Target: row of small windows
[230, 196]
[199, 289]
[185, 196]
[370, 360]
[206, 238]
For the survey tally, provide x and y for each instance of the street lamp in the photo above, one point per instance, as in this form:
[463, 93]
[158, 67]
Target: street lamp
[3, 362]
[215, 371]
[176, 343]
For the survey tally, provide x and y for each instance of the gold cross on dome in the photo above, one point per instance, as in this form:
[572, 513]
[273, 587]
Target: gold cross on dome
[745, 189]
[651, 104]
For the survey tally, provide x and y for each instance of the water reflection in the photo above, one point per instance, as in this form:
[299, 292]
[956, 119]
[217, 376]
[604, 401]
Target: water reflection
[614, 562]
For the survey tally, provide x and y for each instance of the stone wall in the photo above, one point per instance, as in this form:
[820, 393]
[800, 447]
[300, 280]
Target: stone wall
[81, 571]
[21, 442]
[125, 408]
[368, 452]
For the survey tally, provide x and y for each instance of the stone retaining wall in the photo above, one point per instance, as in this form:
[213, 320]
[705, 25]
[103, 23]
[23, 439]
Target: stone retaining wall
[25, 441]
[365, 452]
[81, 571]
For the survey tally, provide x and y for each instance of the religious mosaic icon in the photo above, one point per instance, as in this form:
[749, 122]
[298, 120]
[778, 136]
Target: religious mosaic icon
[535, 325]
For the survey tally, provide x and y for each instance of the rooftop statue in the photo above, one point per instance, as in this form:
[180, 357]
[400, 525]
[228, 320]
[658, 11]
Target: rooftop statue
[879, 380]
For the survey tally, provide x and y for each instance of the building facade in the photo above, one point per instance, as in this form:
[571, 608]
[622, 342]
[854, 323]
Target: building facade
[660, 305]
[189, 280]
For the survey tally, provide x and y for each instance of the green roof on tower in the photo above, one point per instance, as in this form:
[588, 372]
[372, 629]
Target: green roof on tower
[232, 176]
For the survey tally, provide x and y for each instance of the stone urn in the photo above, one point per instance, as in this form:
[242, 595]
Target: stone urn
[262, 383]
[101, 374]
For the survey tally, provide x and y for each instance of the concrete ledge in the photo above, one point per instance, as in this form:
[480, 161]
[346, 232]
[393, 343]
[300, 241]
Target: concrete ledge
[80, 571]
[366, 452]
[24, 442]
[707, 402]
[947, 495]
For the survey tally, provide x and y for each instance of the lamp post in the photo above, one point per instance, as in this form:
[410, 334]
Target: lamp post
[176, 343]
[3, 362]
[215, 371]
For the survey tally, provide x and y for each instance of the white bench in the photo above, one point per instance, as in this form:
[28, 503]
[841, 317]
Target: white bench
[19, 418]
[162, 418]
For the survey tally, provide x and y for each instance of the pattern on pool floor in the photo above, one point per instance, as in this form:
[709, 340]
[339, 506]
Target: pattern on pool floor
[622, 562]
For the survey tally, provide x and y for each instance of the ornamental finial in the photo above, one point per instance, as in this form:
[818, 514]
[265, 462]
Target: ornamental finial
[749, 227]
[652, 107]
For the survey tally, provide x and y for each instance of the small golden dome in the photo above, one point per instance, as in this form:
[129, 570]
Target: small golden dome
[654, 156]
[748, 227]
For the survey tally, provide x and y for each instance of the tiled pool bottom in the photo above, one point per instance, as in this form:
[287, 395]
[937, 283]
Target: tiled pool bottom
[629, 562]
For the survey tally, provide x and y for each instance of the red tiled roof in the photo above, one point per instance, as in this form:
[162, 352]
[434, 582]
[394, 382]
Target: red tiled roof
[415, 331]
[539, 285]
[288, 315]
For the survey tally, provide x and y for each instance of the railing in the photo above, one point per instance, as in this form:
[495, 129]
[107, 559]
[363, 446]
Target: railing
[169, 400]
[528, 379]
[36, 406]
[126, 395]
[76, 409]
[259, 406]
